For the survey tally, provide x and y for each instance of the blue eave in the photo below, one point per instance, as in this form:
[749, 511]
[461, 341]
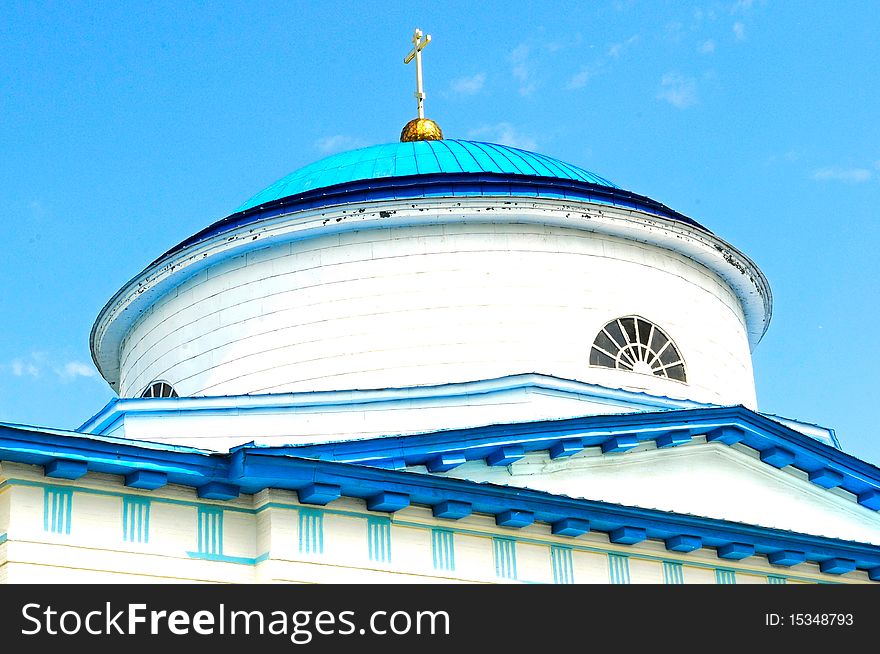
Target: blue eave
[250, 470]
[777, 444]
[449, 185]
[119, 408]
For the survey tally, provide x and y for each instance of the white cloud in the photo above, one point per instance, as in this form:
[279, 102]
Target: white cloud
[521, 70]
[21, 368]
[708, 14]
[678, 90]
[618, 48]
[338, 143]
[469, 85]
[506, 134]
[707, 47]
[741, 6]
[73, 369]
[739, 31]
[579, 80]
[34, 364]
[674, 31]
[848, 175]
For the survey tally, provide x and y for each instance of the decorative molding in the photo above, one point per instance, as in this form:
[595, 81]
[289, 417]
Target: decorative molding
[673, 572]
[379, 539]
[504, 555]
[311, 531]
[210, 520]
[443, 549]
[57, 510]
[725, 576]
[136, 519]
[618, 569]
[561, 564]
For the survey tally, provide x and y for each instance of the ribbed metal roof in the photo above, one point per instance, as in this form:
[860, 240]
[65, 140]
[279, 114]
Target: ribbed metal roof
[420, 158]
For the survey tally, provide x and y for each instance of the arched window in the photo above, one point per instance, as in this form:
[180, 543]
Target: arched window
[633, 343]
[159, 389]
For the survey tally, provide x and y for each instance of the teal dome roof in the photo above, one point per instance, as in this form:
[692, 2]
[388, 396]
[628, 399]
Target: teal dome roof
[430, 169]
[449, 156]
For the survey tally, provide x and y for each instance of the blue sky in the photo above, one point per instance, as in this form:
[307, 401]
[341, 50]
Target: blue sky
[126, 127]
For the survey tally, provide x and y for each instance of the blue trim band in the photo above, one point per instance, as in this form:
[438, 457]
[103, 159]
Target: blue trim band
[222, 558]
[439, 185]
[252, 469]
[777, 444]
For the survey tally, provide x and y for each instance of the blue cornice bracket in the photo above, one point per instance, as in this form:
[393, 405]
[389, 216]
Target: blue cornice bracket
[874, 574]
[870, 499]
[727, 435]
[826, 478]
[736, 551]
[673, 439]
[837, 566]
[786, 557]
[215, 490]
[65, 469]
[505, 455]
[388, 502]
[285, 470]
[684, 543]
[452, 510]
[565, 448]
[570, 527]
[396, 463]
[778, 457]
[515, 518]
[319, 494]
[446, 461]
[146, 479]
[621, 443]
[627, 535]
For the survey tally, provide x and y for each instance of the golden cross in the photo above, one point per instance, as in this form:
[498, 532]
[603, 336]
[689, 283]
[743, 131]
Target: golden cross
[418, 46]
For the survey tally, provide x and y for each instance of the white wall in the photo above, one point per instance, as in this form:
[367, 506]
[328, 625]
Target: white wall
[435, 304]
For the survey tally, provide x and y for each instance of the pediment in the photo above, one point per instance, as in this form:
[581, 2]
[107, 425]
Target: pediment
[705, 479]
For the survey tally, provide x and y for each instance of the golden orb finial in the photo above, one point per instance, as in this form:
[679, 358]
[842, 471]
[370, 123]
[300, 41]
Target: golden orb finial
[421, 129]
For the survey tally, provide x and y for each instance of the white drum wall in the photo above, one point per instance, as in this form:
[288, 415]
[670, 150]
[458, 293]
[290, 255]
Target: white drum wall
[431, 304]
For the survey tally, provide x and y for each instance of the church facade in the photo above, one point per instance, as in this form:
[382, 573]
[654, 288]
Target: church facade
[438, 360]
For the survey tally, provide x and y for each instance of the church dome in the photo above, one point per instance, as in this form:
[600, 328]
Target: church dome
[417, 158]
[433, 262]
[425, 169]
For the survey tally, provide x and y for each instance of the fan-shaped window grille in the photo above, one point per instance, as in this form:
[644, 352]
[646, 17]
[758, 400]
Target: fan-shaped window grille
[159, 389]
[633, 343]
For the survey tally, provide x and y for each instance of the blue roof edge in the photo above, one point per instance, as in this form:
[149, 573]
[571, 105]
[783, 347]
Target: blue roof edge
[249, 470]
[119, 407]
[439, 185]
[777, 444]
